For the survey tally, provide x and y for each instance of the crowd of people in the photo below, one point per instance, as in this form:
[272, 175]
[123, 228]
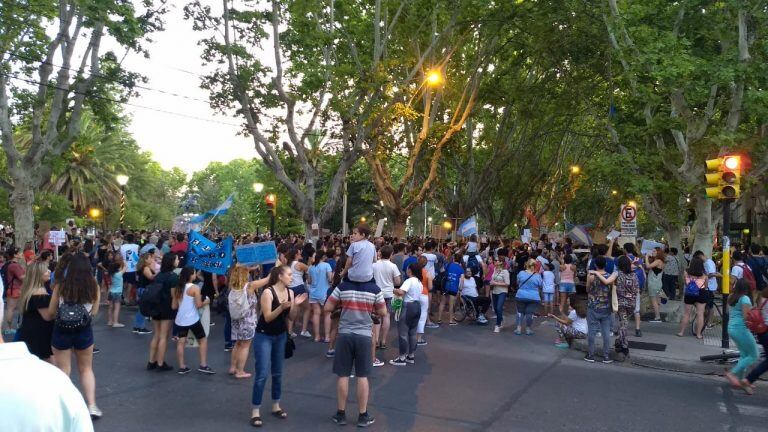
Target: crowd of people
[348, 292]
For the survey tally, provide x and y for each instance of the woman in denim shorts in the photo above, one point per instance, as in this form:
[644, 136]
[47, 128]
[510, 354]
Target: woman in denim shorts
[77, 294]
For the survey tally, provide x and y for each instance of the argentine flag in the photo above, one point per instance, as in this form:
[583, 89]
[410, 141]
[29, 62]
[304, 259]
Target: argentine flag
[222, 209]
[468, 227]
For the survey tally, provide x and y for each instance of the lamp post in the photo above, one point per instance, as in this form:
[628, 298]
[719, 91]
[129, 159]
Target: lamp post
[271, 200]
[258, 188]
[122, 180]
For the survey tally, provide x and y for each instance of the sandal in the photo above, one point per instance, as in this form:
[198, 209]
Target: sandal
[256, 421]
[280, 414]
[244, 375]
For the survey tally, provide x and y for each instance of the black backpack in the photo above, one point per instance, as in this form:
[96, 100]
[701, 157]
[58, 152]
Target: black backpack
[72, 317]
[151, 300]
[474, 265]
[438, 284]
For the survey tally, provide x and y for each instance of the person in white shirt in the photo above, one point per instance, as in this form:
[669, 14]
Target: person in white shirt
[408, 317]
[387, 277]
[431, 258]
[24, 406]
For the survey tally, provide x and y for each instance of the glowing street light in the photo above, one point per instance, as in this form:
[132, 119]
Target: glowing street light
[122, 180]
[258, 187]
[447, 225]
[434, 78]
[614, 192]
[362, 219]
[94, 213]
[575, 169]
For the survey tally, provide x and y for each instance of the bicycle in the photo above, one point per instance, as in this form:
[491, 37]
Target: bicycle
[710, 319]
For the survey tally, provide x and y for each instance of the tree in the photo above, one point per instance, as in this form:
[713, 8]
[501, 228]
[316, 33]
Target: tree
[691, 71]
[48, 97]
[327, 76]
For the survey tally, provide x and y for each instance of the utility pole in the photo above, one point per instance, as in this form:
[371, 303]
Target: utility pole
[725, 339]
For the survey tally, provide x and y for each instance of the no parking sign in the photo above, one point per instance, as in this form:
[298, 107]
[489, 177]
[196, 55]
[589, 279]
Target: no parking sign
[628, 218]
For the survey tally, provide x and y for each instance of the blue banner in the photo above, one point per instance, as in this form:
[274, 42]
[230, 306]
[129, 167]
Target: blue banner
[256, 253]
[204, 254]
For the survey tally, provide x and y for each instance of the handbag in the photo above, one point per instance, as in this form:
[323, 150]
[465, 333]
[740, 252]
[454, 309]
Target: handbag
[290, 347]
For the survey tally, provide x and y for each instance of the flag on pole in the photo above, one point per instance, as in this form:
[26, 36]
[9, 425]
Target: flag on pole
[468, 227]
[222, 209]
[205, 254]
[579, 235]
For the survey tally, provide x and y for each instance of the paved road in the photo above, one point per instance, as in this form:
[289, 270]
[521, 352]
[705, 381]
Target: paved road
[466, 379]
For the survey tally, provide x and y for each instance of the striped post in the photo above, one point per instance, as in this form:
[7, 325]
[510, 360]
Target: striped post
[122, 207]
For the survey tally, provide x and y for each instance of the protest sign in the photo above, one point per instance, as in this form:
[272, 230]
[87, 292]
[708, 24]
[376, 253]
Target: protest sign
[256, 253]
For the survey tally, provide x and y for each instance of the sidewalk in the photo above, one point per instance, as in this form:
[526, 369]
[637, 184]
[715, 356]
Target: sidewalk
[680, 354]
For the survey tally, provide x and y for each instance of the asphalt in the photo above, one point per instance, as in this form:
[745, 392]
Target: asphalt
[466, 379]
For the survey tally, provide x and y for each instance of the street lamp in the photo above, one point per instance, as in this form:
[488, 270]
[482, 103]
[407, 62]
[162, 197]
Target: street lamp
[362, 219]
[575, 169]
[614, 192]
[434, 78]
[94, 213]
[122, 180]
[258, 187]
[271, 200]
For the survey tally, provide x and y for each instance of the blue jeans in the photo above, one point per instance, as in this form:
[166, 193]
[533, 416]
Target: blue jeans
[498, 306]
[599, 320]
[270, 353]
[227, 329]
[138, 319]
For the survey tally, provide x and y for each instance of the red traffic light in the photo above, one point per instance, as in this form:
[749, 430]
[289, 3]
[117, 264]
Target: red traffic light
[270, 199]
[732, 162]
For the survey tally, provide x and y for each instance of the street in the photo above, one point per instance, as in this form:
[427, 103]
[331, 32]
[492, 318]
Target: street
[466, 379]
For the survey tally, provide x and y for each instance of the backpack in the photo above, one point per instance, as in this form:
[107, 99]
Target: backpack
[150, 301]
[755, 321]
[748, 276]
[237, 302]
[692, 288]
[474, 265]
[72, 317]
[439, 283]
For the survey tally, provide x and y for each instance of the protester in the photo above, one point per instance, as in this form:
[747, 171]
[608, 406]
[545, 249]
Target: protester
[696, 295]
[187, 299]
[573, 326]
[468, 286]
[567, 282]
[37, 320]
[407, 317]
[739, 305]
[277, 303]
[760, 369]
[528, 299]
[320, 276]
[599, 309]
[359, 297]
[115, 270]
[548, 287]
[387, 277]
[627, 290]
[145, 275]
[13, 278]
[671, 275]
[243, 328]
[654, 264]
[298, 269]
[130, 253]
[163, 320]
[75, 301]
[424, 300]
[450, 289]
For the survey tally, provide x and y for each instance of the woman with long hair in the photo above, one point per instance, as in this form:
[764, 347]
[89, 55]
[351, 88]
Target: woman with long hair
[654, 264]
[37, 321]
[163, 320]
[145, 274]
[187, 299]
[739, 304]
[277, 304]
[244, 328]
[696, 295]
[298, 269]
[627, 290]
[74, 302]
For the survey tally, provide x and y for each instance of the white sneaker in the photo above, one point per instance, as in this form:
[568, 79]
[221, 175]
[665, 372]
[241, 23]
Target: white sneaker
[118, 325]
[94, 411]
[496, 329]
[306, 334]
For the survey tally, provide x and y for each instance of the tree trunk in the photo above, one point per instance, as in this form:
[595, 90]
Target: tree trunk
[21, 200]
[704, 230]
[398, 226]
[674, 238]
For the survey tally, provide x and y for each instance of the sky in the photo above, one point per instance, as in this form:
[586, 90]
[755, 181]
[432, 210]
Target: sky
[176, 141]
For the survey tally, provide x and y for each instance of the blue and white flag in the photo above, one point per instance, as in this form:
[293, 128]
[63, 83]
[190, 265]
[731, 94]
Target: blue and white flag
[468, 227]
[205, 254]
[222, 209]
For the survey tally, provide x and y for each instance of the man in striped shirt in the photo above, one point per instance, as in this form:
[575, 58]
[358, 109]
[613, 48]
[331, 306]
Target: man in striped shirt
[359, 298]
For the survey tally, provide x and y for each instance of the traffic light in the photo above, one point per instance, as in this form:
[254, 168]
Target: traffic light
[271, 200]
[724, 177]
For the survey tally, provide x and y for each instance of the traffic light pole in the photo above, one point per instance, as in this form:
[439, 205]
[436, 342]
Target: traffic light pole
[725, 342]
[272, 224]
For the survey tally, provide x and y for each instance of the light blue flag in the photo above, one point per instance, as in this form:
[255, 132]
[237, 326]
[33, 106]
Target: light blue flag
[222, 209]
[468, 227]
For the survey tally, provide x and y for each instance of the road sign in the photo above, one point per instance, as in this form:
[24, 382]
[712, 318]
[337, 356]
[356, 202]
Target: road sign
[628, 218]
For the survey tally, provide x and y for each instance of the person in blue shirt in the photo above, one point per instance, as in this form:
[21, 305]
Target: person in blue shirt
[637, 266]
[450, 288]
[740, 304]
[413, 257]
[528, 298]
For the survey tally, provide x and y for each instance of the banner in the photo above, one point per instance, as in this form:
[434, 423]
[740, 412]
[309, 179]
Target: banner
[222, 209]
[468, 227]
[256, 253]
[204, 254]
